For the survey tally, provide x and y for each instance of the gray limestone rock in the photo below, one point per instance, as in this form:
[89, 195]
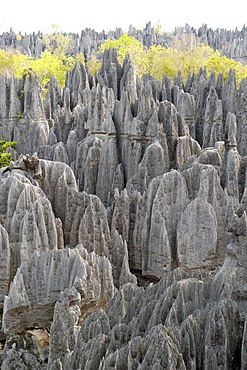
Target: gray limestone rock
[186, 148]
[173, 125]
[29, 219]
[38, 229]
[128, 83]
[204, 180]
[77, 80]
[124, 197]
[111, 71]
[232, 158]
[232, 173]
[223, 319]
[119, 257]
[197, 232]
[65, 318]
[173, 315]
[38, 284]
[213, 126]
[164, 203]
[121, 214]
[229, 282]
[217, 126]
[108, 159]
[20, 360]
[10, 105]
[63, 118]
[53, 97]
[51, 173]
[186, 108]
[56, 153]
[229, 93]
[93, 229]
[4, 265]
[146, 102]
[201, 96]
[30, 134]
[31, 129]
[241, 117]
[159, 259]
[87, 162]
[155, 162]
[244, 346]
[101, 104]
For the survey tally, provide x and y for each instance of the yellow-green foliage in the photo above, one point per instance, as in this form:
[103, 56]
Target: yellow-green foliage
[224, 64]
[93, 62]
[126, 44]
[52, 61]
[171, 60]
[6, 62]
[49, 64]
[19, 64]
[184, 55]
[5, 158]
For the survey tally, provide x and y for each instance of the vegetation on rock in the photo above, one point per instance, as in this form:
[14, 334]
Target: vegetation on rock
[5, 157]
[185, 55]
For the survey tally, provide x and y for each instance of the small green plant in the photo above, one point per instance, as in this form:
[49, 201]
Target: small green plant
[21, 93]
[19, 114]
[5, 157]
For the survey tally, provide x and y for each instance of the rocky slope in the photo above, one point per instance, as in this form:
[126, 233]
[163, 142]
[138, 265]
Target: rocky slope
[123, 239]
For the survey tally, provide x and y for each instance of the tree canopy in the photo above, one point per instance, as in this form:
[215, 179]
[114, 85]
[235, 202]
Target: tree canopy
[5, 157]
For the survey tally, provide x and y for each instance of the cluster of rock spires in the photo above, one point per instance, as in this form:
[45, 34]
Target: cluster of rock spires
[123, 225]
[231, 43]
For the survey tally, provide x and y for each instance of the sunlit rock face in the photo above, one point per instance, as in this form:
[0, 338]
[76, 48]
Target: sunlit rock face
[123, 218]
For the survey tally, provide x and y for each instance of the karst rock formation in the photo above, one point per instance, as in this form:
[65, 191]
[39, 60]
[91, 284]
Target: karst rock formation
[231, 43]
[123, 228]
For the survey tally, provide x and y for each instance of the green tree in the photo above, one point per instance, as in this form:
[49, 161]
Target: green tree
[18, 64]
[6, 62]
[49, 64]
[224, 64]
[56, 42]
[21, 63]
[5, 157]
[128, 45]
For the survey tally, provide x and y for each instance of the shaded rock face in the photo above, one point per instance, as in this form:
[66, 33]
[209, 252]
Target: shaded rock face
[123, 226]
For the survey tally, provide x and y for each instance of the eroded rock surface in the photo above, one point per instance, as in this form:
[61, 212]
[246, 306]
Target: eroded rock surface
[123, 240]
